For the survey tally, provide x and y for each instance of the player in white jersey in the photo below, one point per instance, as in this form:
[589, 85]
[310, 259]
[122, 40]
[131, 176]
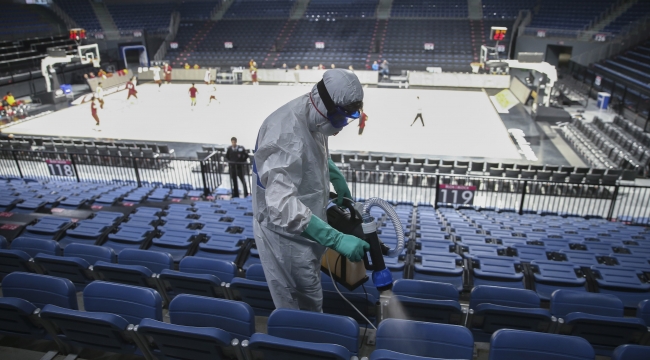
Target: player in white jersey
[99, 95]
[156, 75]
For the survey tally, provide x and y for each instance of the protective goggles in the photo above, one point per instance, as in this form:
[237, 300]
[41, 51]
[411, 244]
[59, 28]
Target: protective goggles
[339, 116]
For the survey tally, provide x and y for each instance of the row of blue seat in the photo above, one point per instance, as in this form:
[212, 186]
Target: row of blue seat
[205, 328]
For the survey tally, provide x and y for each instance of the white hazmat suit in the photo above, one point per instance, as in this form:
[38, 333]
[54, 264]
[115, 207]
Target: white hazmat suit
[290, 183]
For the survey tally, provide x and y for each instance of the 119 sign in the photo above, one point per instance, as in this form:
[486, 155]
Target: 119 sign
[60, 167]
[456, 194]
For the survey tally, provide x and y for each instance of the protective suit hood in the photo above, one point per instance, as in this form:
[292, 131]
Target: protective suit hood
[344, 89]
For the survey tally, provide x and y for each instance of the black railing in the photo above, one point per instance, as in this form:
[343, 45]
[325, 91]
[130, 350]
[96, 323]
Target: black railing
[523, 196]
[201, 174]
[596, 198]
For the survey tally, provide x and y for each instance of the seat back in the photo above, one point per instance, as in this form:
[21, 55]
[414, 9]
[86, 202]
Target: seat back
[631, 352]
[255, 272]
[3, 243]
[14, 260]
[36, 246]
[154, 260]
[314, 327]
[133, 303]
[509, 344]
[170, 341]
[425, 301]
[643, 311]
[425, 290]
[564, 302]
[425, 339]
[224, 270]
[493, 308]
[235, 317]
[254, 293]
[74, 269]
[503, 296]
[90, 253]
[40, 289]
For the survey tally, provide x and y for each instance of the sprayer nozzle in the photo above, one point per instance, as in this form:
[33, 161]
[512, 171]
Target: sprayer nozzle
[382, 279]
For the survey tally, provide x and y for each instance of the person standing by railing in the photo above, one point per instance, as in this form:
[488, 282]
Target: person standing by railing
[236, 156]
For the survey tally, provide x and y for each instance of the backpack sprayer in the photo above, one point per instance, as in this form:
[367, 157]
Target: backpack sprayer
[354, 219]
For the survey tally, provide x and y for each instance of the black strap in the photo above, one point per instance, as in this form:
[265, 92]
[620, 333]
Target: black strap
[325, 96]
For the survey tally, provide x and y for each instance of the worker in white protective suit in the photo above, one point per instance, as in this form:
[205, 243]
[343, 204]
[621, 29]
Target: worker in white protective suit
[292, 172]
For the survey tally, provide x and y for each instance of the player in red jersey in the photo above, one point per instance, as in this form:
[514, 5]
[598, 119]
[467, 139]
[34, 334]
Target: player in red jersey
[130, 86]
[167, 69]
[93, 110]
[193, 91]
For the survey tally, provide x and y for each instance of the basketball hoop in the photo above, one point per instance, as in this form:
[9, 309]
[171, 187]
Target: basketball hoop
[95, 62]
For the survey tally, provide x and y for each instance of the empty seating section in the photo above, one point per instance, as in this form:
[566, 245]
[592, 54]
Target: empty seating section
[196, 10]
[632, 14]
[346, 43]
[128, 16]
[197, 258]
[600, 150]
[26, 54]
[405, 39]
[23, 20]
[259, 9]
[429, 8]
[337, 9]
[251, 39]
[81, 12]
[574, 15]
[505, 9]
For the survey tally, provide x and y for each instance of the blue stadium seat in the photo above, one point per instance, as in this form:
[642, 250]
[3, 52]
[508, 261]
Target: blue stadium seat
[90, 232]
[497, 271]
[130, 237]
[199, 276]
[625, 283]
[554, 275]
[91, 253]
[137, 268]
[104, 325]
[507, 344]
[425, 339]
[254, 291]
[177, 242]
[23, 293]
[3, 242]
[443, 267]
[29, 206]
[598, 318]
[15, 260]
[75, 269]
[76, 264]
[425, 301]
[48, 228]
[201, 328]
[34, 246]
[492, 308]
[294, 334]
[631, 352]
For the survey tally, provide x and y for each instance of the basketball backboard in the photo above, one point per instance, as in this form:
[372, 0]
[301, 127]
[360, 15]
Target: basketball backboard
[89, 54]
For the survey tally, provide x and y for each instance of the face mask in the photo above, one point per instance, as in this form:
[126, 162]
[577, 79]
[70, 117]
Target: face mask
[328, 129]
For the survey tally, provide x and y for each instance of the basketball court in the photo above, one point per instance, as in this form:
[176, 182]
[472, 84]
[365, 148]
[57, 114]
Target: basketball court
[457, 123]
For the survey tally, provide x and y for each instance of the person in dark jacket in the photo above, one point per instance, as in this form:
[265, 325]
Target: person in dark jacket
[236, 156]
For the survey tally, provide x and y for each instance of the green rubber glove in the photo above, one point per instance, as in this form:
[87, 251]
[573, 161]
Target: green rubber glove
[338, 181]
[349, 246]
